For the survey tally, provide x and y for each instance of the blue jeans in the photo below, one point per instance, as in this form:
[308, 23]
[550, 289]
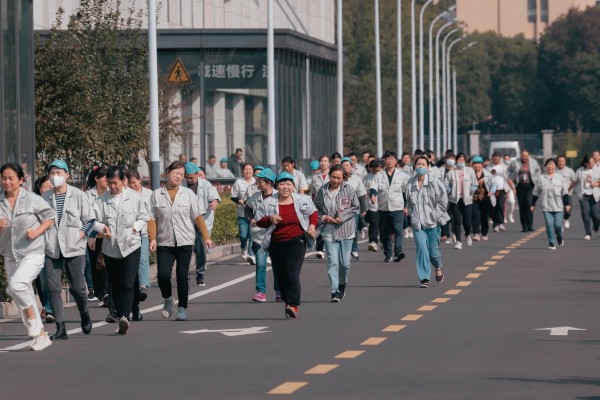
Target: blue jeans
[44, 286]
[245, 234]
[391, 222]
[200, 251]
[338, 262]
[356, 233]
[261, 269]
[428, 251]
[554, 223]
[144, 270]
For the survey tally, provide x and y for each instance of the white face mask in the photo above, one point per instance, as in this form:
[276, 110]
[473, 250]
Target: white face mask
[57, 180]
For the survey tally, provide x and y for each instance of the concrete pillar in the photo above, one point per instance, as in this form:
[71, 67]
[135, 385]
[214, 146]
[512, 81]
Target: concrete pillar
[239, 123]
[547, 143]
[219, 135]
[473, 142]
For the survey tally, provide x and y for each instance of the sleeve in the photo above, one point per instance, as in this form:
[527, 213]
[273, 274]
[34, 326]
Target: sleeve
[152, 209]
[195, 208]
[87, 212]
[536, 190]
[201, 225]
[213, 194]
[320, 205]
[261, 217]
[42, 209]
[373, 187]
[235, 192]
[143, 216]
[303, 184]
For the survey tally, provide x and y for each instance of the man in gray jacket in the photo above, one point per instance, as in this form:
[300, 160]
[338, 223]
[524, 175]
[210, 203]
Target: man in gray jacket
[525, 172]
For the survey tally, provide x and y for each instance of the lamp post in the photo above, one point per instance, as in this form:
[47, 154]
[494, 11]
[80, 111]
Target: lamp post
[271, 145]
[437, 86]
[450, 100]
[421, 97]
[378, 82]
[413, 76]
[445, 89]
[153, 92]
[399, 105]
[340, 81]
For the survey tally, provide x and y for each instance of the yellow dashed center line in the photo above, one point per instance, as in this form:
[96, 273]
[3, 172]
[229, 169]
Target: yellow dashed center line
[497, 257]
[322, 369]
[427, 308]
[350, 354]
[453, 292]
[411, 317]
[473, 276]
[504, 252]
[394, 328]
[463, 283]
[288, 387]
[482, 268]
[490, 263]
[441, 300]
[374, 341]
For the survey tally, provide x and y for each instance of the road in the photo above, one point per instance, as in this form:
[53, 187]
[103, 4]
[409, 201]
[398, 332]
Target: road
[474, 336]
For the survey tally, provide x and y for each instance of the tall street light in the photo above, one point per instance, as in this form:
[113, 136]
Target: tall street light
[378, 82]
[413, 76]
[449, 100]
[153, 76]
[271, 145]
[340, 81]
[399, 105]
[437, 88]
[421, 97]
[445, 89]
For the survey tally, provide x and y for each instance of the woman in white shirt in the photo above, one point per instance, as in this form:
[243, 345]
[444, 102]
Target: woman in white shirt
[461, 183]
[238, 192]
[587, 180]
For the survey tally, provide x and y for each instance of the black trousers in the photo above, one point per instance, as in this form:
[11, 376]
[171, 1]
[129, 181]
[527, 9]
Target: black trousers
[461, 215]
[372, 218]
[498, 212]
[123, 274]
[481, 215]
[287, 259]
[99, 275]
[567, 214]
[525, 200]
[166, 257]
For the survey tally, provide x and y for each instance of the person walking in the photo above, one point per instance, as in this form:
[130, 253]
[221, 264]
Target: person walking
[372, 216]
[41, 186]
[427, 202]
[289, 217]
[338, 206]
[587, 181]
[355, 182]
[568, 177]
[387, 188]
[461, 183]
[66, 246]
[300, 183]
[317, 181]
[525, 171]
[237, 196]
[121, 215]
[482, 204]
[265, 180]
[551, 188]
[174, 210]
[24, 218]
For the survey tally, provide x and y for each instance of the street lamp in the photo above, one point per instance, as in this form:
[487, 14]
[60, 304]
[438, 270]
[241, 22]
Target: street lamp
[421, 98]
[437, 87]
[271, 145]
[413, 76]
[448, 122]
[399, 128]
[340, 81]
[378, 82]
[153, 92]
[444, 88]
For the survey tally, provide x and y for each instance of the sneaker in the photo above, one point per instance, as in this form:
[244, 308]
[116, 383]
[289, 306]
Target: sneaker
[104, 302]
[502, 227]
[373, 247]
[587, 237]
[453, 238]
[111, 318]
[469, 240]
[181, 315]
[136, 315]
[123, 326]
[476, 237]
[251, 260]
[167, 309]
[410, 233]
[449, 241]
[567, 224]
[406, 234]
[200, 281]
[511, 219]
[259, 296]
[278, 298]
[363, 234]
[560, 241]
[269, 260]
[34, 326]
[92, 296]
[424, 284]
[439, 274]
[143, 293]
[291, 312]
[484, 238]
[355, 255]
[458, 246]
[320, 255]
[342, 291]
[496, 229]
[551, 246]
[49, 318]
[387, 259]
[335, 297]
[40, 342]
[399, 257]
[244, 255]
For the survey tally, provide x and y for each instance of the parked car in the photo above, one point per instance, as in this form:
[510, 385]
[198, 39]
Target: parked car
[511, 148]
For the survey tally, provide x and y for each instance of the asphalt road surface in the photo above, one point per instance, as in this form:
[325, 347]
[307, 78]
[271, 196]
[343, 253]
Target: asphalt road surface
[484, 333]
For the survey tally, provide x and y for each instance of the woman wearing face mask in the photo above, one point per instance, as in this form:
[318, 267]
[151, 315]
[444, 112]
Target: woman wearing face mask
[427, 201]
[449, 165]
[555, 197]
[288, 217]
[338, 206]
[121, 216]
[460, 184]
[587, 180]
[237, 196]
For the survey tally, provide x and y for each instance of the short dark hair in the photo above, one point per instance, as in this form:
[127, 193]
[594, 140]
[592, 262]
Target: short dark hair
[116, 171]
[388, 154]
[324, 156]
[211, 156]
[376, 163]
[463, 155]
[352, 153]
[365, 152]
[338, 168]
[335, 155]
[133, 173]
[421, 157]
[418, 152]
[496, 154]
[288, 159]
[15, 167]
[175, 165]
[37, 186]
[561, 156]
[551, 160]
[238, 149]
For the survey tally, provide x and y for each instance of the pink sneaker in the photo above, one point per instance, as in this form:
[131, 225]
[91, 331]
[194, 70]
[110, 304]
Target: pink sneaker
[259, 296]
[476, 237]
[484, 238]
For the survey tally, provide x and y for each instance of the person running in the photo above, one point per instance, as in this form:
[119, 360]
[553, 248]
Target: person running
[289, 217]
[237, 196]
[525, 171]
[338, 206]
[482, 205]
[24, 218]
[357, 185]
[372, 216]
[174, 210]
[41, 186]
[387, 188]
[461, 183]
[554, 193]
[568, 177]
[587, 180]
[300, 184]
[427, 202]
[316, 183]
[265, 181]
[121, 215]
[66, 246]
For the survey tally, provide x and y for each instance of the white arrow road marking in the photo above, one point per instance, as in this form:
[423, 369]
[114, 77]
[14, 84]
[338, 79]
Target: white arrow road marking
[560, 330]
[231, 332]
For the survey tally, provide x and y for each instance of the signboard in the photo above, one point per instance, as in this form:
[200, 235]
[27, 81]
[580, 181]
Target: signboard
[234, 71]
[571, 154]
[178, 73]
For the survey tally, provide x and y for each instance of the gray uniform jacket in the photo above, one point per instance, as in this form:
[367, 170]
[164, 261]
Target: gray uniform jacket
[515, 166]
[252, 205]
[65, 238]
[206, 193]
[451, 182]
[175, 220]
[427, 206]
[29, 212]
[390, 196]
[568, 175]
[346, 207]
[551, 192]
[121, 218]
[304, 207]
[316, 182]
[487, 179]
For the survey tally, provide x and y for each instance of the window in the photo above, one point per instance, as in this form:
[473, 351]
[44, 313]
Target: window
[532, 10]
[544, 11]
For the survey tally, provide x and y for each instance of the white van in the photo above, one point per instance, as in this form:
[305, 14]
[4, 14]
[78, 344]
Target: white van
[511, 148]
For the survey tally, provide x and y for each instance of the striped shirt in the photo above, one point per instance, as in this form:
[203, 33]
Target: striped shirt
[59, 198]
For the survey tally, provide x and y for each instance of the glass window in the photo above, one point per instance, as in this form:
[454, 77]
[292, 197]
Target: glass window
[531, 10]
[544, 11]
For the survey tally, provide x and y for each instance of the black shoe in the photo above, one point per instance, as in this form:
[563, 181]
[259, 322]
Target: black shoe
[136, 315]
[524, 230]
[111, 318]
[61, 332]
[560, 241]
[92, 296]
[143, 294]
[342, 291]
[424, 284]
[104, 303]
[200, 281]
[399, 257]
[531, 229]
[387, 259]
[335, 297]
[86, 323]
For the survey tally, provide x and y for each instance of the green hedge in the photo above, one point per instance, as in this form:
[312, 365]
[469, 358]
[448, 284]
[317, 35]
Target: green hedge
[3, 282]
[225, 229]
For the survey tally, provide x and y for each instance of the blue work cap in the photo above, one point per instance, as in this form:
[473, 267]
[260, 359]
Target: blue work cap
[267, 173]
[224, 159]
[259, 168]
[59, 164]
[285, 176]
[346, 159]
[477, 159]
[314, 165]
[191, 168]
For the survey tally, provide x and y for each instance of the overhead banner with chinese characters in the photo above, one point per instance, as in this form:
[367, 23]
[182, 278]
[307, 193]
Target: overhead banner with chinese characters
[233, 70]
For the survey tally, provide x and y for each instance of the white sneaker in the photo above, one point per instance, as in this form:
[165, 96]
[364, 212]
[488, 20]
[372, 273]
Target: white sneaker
[469, 240]
[410, 233]
[458, 246]
[496, 229]
[244, 255]
[363, 233]
[251, 260]
[567, 224]
[34, 326]
[406, 233]
[587, 237]
[453, 238]
[502, 227]
[40, 342]
[373, 246]
[449, 241]
[552, 247]
[511, 219]
[269, 260]
[505, 221]
[320, 255]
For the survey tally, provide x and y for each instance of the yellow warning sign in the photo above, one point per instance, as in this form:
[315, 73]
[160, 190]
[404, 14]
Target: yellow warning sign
[571, 154]
[179, 74]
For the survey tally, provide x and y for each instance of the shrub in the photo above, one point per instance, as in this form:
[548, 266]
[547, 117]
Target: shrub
[3, 282]
[225, 229]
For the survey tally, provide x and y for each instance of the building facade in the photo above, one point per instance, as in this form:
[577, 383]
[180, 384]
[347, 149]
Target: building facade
[17, 115]
[212, 60]
[514, 17]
